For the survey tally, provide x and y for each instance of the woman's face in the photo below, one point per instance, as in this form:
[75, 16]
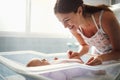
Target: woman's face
[70, 20]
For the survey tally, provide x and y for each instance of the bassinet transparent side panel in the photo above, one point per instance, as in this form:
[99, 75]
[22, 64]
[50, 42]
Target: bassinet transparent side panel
[8, 74]
[2, 77]
[5, 72]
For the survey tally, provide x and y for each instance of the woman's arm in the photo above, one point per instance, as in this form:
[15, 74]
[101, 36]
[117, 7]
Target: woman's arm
[112, 27]
[84, 47]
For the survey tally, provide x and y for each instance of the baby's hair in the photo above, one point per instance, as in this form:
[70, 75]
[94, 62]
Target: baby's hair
[33, 62]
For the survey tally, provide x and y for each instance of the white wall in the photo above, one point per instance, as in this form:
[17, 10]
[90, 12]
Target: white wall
[96, 2]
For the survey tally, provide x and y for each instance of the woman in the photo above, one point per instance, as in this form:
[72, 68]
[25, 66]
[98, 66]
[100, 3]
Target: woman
[92, 26]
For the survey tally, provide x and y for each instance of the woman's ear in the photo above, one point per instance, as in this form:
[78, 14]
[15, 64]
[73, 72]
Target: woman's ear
[80, 10]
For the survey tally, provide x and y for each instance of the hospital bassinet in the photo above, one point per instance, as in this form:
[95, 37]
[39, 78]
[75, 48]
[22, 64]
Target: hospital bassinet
[16, 63]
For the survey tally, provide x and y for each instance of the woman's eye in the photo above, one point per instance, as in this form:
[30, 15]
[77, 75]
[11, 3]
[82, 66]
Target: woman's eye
[66, 20]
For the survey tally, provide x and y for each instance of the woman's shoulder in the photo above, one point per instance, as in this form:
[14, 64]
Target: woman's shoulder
[109, 18]
[108, 14]
[108, 21]
[104, 17]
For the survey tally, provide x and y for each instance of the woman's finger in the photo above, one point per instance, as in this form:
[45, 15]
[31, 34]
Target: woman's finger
[69, 53]
[91, 59]
[93, 62]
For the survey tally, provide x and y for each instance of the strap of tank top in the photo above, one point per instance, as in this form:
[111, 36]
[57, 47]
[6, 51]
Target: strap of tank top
[95, 22]
[100, 18]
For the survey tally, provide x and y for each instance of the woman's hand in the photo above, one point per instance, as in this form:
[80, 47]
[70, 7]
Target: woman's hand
[94, 61]
[74, 55]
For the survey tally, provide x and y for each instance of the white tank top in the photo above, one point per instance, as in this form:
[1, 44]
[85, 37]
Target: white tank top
[100, 40]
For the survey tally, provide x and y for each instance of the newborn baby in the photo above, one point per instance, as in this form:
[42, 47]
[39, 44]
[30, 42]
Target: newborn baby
[41, 62]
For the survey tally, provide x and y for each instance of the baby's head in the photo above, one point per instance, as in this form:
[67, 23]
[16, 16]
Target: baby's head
[37, 62]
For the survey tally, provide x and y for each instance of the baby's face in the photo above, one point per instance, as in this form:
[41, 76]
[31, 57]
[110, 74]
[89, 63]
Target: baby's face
[44, 62]
[37, 62]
